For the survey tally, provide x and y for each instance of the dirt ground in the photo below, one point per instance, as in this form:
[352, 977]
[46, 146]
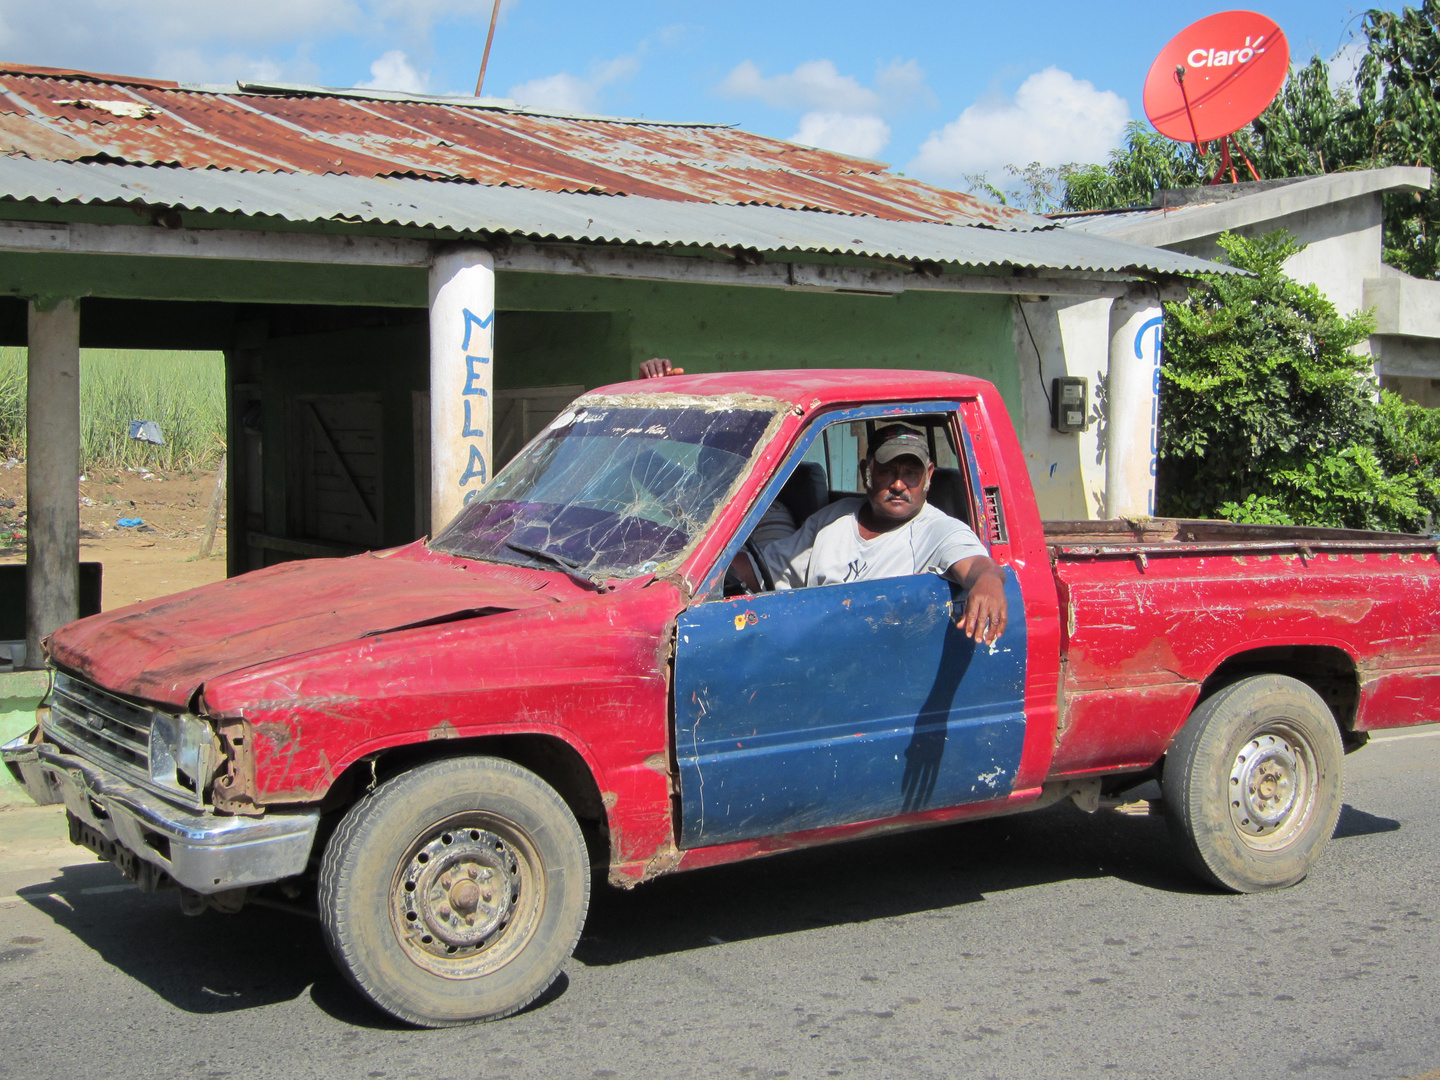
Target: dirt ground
[158, 557]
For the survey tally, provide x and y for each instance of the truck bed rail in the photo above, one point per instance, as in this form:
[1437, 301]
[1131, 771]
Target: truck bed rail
[1128, 538]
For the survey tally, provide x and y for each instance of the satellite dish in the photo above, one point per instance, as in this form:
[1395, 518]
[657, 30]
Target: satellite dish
[1214, 77]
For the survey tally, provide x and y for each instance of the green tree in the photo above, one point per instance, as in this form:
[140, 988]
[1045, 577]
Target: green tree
[1267, 416]
[1400, 119]
[1389, 117]
[1148, 161]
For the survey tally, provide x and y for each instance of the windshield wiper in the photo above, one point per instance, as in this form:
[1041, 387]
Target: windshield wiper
[570, 566]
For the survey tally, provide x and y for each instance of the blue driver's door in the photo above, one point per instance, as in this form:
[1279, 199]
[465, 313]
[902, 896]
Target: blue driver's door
[823, 706]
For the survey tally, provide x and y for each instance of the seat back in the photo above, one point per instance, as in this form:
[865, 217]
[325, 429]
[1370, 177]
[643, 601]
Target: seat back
[806, 491]
[947, 493]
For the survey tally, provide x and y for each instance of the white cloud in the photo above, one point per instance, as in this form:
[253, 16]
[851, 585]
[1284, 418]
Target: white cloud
[564, 92]
[859, 136]
[1054, 118]
[815, 84]
[214, 40]
[200, 66]
[393, 71]
[903, 85]
[418, 17]
[839, 112]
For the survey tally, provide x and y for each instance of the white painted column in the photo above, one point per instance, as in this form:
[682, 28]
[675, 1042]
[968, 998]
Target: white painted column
[52, 471]
[462, 339]
[1133, 389]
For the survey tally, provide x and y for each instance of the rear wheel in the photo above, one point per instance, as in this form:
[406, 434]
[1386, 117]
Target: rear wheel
[456, 891]
[1252, 784]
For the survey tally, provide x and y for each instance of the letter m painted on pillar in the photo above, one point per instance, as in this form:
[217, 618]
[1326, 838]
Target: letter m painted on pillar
[472, 322]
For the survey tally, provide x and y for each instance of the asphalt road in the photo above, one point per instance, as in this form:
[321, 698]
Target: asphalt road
[1053, 944]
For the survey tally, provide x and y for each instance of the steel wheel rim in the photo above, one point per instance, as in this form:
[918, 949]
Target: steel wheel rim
[467, 896]
[1272, 786]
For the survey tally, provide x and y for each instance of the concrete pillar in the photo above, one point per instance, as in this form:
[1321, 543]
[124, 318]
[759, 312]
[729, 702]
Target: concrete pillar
[462, 338]
[52, 471]
[1132, 405]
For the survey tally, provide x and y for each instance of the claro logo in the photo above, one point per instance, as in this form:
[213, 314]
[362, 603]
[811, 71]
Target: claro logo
[1226, 57]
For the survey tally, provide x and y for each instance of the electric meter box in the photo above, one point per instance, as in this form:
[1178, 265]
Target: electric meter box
[1069, 404]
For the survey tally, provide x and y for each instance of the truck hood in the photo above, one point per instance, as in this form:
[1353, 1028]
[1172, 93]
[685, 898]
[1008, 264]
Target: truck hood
[164, 650]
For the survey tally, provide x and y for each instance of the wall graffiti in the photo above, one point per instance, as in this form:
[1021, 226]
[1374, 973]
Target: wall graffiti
[474, 397]
[1153, 345]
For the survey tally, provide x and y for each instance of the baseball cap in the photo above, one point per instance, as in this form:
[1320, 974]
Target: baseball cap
[897, 440]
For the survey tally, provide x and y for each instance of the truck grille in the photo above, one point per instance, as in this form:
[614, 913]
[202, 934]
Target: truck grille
[101, 727]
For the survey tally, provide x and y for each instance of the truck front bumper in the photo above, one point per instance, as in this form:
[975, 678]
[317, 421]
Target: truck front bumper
[200, 851]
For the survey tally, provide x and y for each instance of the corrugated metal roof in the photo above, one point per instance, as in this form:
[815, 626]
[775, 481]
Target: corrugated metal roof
[54, 115]
[1102, 222]
[568, 216]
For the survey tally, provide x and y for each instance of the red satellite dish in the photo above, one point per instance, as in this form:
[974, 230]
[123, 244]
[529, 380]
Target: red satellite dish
[1216, 76]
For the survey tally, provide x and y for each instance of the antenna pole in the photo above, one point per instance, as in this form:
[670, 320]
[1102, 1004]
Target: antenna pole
[1184, 95]
[489, 38]
[1226, 165]
[1243, 157]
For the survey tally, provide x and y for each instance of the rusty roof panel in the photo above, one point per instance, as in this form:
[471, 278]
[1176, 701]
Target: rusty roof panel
[560, 216]
[56, 115]
[88, 76]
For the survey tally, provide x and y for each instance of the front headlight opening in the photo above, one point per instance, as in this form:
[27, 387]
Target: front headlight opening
[182, 752]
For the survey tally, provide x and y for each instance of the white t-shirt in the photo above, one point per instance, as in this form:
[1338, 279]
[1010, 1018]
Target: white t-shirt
[829, 549]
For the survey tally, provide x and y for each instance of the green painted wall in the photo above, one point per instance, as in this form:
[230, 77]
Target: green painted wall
[708, 328]
[701, 327]
[561, 348]
[562, 330]
[141, 278]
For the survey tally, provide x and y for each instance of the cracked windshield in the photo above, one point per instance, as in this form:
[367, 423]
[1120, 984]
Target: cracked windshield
[609, 489]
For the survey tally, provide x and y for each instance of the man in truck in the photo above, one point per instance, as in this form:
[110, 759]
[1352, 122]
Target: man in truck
[891, 532]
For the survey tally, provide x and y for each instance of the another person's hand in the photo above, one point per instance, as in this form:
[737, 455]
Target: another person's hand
[657, 368]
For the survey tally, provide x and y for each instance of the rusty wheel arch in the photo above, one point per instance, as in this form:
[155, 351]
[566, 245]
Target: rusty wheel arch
[1331, 672]
[551, 759]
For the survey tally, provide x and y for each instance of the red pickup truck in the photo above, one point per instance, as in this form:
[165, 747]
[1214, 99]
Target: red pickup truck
[437, 743]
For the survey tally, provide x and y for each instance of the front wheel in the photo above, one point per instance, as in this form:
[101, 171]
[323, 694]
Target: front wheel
[1252, 784]
[455, 892]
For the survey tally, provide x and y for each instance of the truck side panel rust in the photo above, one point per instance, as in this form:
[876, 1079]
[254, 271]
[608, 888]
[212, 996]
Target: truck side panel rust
[318, 714]
[1144, 639]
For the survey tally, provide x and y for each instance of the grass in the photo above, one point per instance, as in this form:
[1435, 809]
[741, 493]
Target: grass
[183, 391]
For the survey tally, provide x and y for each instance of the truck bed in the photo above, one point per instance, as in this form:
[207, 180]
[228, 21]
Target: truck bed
[1156, 612]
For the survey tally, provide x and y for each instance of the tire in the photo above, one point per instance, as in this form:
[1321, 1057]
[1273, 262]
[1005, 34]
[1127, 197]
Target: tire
[1252, 784]
[455, 892]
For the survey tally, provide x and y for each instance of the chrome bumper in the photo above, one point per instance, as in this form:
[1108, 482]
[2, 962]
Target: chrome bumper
[203, 852]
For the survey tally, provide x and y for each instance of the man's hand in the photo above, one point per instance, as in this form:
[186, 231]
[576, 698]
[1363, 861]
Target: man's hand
[658, 368]
[986, 609]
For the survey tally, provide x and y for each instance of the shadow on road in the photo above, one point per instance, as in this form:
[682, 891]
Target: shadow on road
[224, 963]
[1355, 822]
[211, 964]
[881, 878]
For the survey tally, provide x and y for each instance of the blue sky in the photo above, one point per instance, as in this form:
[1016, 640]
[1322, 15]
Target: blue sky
[936, 89]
